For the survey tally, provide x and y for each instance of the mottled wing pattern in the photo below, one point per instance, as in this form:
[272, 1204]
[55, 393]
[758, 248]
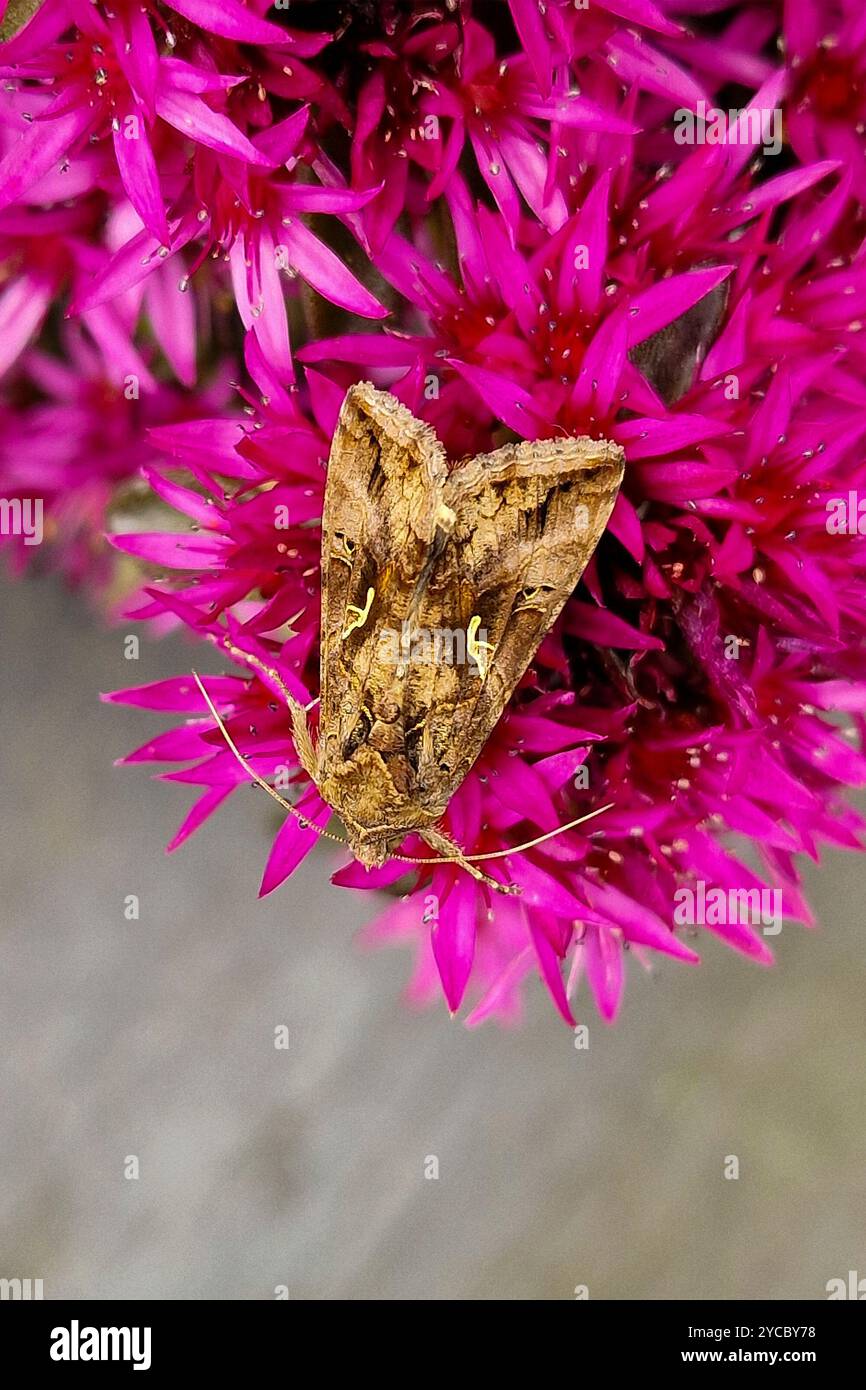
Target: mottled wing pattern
[383, 503]
[480, 562]
[527, 521]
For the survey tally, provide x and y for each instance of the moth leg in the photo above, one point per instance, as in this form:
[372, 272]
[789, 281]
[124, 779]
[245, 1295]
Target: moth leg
[300, 729]
[451, 851]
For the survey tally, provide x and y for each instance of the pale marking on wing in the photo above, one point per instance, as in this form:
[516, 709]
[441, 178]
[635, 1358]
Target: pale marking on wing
[361, 614]
[478, 650]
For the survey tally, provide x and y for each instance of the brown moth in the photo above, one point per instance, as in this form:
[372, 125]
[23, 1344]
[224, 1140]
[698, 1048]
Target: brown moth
[487, 552]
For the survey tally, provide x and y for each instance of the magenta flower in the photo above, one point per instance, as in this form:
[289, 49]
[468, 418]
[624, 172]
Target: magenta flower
[40, 252]
[108, 80]
[826, 50]
[259, 236]
[439, 80]
[82, 443]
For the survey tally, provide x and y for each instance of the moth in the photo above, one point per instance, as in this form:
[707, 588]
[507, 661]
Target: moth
[487, 550]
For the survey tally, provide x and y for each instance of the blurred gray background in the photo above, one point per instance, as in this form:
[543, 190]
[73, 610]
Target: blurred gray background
[305, 1167]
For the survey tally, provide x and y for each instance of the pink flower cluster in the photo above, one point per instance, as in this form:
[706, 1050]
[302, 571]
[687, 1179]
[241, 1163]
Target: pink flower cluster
[490, 209]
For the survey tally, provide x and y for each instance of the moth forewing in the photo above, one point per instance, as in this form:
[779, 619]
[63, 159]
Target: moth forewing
[528, 519]
[382, 515]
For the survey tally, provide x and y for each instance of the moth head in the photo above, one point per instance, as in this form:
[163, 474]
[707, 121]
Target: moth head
[370, 847]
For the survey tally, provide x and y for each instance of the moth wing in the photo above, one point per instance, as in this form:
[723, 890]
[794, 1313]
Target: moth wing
[380, 530]
[527, 520]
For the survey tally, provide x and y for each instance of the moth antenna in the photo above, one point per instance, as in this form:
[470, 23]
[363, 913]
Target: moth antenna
[453, 854]
[539, 839]
[509, 889]
[254, 776]
[503, 853]
[303, 743]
